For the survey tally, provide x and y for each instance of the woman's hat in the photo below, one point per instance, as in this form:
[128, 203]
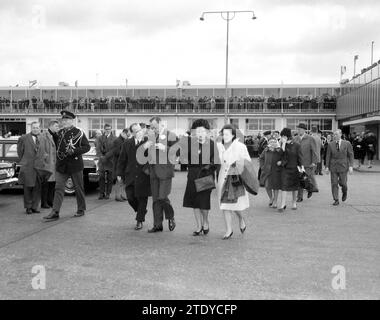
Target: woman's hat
[286, 132]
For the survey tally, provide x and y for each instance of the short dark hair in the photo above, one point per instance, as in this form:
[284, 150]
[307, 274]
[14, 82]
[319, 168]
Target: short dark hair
[142, 125]
[200, 123]
[107, 125]
[126, 130]
[229, 127]
[155, 118]
[52, 122]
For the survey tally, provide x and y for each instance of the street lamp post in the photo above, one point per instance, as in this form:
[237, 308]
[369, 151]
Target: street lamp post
[227, 16]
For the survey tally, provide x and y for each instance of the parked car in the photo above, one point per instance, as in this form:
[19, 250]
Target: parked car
[90, 171]
[8, 153]
[7, 175]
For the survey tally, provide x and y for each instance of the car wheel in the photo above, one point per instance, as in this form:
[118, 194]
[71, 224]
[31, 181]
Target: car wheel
[69, 186]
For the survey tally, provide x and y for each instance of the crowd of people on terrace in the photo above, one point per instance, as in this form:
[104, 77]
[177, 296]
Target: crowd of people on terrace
[171, 103]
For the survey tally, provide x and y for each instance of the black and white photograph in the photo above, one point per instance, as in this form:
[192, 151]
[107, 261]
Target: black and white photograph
[198, 151]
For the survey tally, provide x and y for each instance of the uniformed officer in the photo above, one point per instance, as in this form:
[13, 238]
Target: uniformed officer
[71, 144]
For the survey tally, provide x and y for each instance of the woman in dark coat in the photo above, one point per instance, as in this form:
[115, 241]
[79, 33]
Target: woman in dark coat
[270, 162]
[370, 142]
[198, 149]
[359, 149]
[292, 163]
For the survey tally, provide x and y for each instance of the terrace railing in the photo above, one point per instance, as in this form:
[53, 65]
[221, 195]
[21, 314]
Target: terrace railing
[171, 107]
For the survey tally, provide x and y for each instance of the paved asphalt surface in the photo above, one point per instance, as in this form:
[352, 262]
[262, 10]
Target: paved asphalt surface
[280, 256]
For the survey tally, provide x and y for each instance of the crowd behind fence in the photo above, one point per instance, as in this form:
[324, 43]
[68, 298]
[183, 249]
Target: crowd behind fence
[324, 103]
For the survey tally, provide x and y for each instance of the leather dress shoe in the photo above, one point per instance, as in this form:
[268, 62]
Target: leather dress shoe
[299, 200]
[28, 211]
[79, 213]
[344, 196]
[45, 206]
[53, 215]
[36, 211]
[107, 196]
[139, 226]
[119, 199]
[309, 194]
[155, 229]
[124, 198]
[101, 197]
[336, 203]
[171, 224]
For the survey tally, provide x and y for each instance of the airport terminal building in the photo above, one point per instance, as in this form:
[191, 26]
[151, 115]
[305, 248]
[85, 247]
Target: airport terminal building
[358, 107]
[253, 108]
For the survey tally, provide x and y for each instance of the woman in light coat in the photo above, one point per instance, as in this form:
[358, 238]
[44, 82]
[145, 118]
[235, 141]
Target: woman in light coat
[231, 150]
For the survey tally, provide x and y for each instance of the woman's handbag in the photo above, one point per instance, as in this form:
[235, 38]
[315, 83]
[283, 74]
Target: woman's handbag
[204, 183]
[305, 181]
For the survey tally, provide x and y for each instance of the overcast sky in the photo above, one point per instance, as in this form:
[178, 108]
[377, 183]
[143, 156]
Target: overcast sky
[155, 42]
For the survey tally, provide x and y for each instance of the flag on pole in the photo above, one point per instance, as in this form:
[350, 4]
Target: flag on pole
[356, 57]
[177, 83]
[342, 70]
[76, 83]
[32, 83]
[186, 83]
[126, 82]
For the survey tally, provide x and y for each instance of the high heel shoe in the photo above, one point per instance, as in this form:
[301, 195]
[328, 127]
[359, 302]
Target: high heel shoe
[243, 229]
[229, 236]
[282, 209]
[206, 231]
[197, 233]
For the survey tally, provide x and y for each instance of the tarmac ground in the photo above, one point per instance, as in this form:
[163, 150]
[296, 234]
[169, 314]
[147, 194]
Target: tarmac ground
[295, 255]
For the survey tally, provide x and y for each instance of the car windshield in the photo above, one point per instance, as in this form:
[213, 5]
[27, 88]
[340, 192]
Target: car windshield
[11, 150]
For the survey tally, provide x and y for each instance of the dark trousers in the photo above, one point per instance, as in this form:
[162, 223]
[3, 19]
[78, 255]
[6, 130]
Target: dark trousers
[60, 181]
[105, 182]
[338, 179]
[137, 203]
[47, 193]
[318, 170]
[32, 195]
[161, 203]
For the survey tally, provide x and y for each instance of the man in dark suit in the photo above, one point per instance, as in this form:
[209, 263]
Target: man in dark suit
[72, 143]
[310, 158]
[161, 173]
[339, 161]
[104, 151]
[116, 149]
[137, 182]
[32, 155]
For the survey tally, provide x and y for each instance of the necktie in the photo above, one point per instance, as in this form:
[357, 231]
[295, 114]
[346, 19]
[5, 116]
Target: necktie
[337, 145]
